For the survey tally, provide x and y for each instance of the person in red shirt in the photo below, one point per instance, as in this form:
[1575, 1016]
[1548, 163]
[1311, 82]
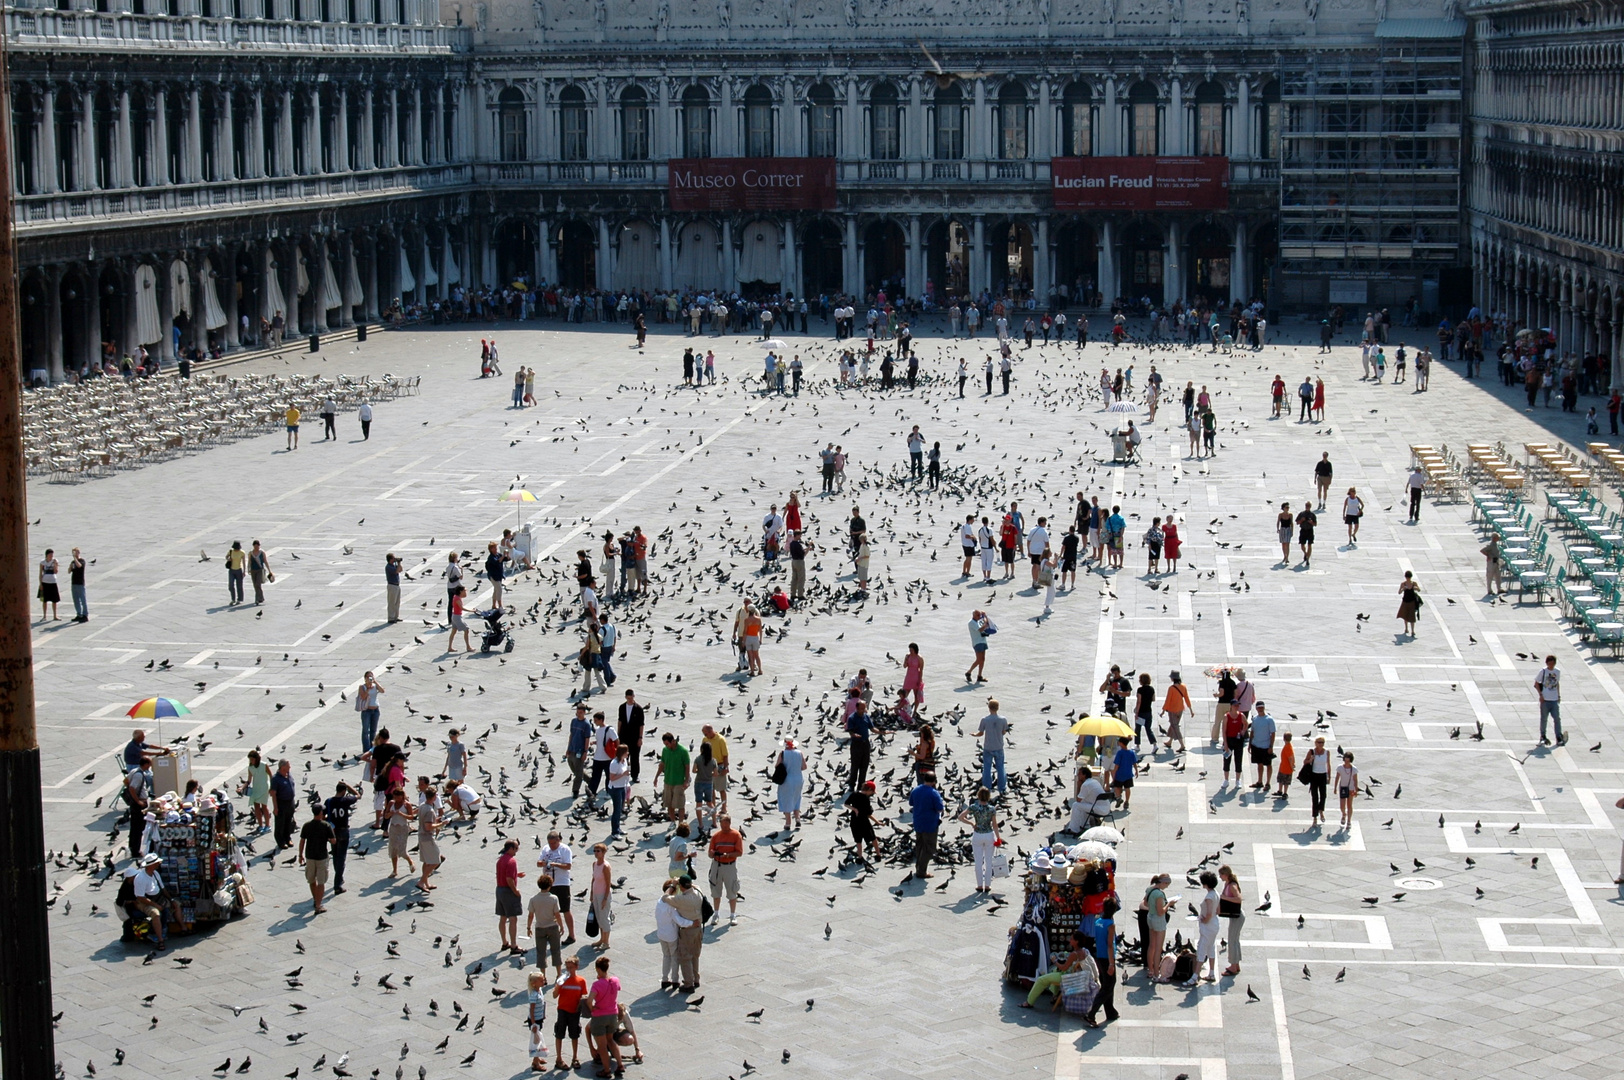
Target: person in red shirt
[779, 601]
[1278, 392]
[508, 904]
[568, 993]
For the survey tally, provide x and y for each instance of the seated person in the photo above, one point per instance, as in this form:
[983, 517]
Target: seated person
[1076, 959]
[1091, 802]
[779, 600]
[148, 897]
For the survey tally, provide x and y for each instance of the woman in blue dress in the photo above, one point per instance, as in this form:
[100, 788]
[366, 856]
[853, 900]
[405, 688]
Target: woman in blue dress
[789, 788]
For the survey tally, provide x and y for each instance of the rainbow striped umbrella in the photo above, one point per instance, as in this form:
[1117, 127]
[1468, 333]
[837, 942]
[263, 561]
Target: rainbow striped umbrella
[157, 708]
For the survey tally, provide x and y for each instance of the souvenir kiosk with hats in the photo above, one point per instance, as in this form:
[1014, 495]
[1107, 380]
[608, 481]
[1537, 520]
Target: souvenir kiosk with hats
[1064, 887]
[199, 863]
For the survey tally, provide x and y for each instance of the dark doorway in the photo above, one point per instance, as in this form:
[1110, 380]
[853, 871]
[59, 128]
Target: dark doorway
[577, 256]
[822, 251]
[1077, 260]
[1141, 264]
[515, 251]
[1209, 264]
[947, 261]
[884, 258]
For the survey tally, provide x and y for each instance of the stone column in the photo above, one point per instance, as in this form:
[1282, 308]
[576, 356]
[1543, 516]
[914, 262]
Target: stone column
[368, 132]
[601, 264]
[978, 247]
[313, 134]
[851, 270]
[437, 136]
[369, 276]
[284, 135]
[1107, 280]
[158, 146]
[665, 141]
[1240, 268]
[1042, 285]
[318, 277]
[1111, 127]
[226, 289]
[391, 150]
[254, 153]
[415, 135]
[124, 157]
[725, 139]
[975, 142]
[914, 268]
[88, 180]
[730, 257]
[49, 169]
[226, 140]
[1173, 262]
[53, 320]
[91, 352]
[341, 132]
[1044, 129]
[1241, 145]
[916, 142]
[1178, 122]
[194, 135]
[666, 261]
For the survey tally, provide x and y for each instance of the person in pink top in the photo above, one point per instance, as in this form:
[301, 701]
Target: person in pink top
[914, 678]
[603, 1002]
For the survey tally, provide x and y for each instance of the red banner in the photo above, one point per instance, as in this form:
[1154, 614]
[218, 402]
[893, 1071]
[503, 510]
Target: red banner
[752, 183]
[1140, 183]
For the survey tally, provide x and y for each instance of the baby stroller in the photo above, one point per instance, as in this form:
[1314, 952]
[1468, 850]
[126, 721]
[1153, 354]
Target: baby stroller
[495, 633]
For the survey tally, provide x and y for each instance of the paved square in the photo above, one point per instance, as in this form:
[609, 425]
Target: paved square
[1442, 982]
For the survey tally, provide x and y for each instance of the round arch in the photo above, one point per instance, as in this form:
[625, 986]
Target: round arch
[822, 258]
[884, 257]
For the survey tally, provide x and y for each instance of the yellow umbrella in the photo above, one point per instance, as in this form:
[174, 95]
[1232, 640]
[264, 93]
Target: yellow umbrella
[1104, 727]
[516, 495]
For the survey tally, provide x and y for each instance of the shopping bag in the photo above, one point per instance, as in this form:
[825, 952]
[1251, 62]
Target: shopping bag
[1000, 864]
[591, 922]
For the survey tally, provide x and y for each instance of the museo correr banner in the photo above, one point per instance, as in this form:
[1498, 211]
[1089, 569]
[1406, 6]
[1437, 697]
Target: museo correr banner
[1140, 183]
[752, 183]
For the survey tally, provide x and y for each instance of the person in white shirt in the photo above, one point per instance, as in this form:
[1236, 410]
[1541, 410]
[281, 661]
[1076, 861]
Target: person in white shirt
[1037, 542]
[149, 895]
[1548, 688]
[967, 540]
[985, 547]
[666, 923]
[555, 859]
[365, 413]
[1090, 801]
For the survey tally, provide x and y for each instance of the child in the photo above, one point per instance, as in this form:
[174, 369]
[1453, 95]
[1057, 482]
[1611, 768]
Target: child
[569, 992]
[1288, 766]
[456, 758]
[1123, 767]
[538, 1017]
[1590, 422]
[624, 1031]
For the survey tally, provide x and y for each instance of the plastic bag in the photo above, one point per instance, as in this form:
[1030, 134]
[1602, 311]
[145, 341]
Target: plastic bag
[1000, 864]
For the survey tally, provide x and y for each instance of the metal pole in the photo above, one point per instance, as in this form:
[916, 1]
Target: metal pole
[27, 1052]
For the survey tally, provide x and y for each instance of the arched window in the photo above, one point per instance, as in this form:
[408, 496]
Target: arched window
[634, 141]
[1269, 121]
[1077, 121]
[513, 126]
[758, 122]
[884, 123]
[1012, 122]
[1209, 119]
[696, 123]
[1144, 116]
[949, 109]
[572, 143]
[822, 134]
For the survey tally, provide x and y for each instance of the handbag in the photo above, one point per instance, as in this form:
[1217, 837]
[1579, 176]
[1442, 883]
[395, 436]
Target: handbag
[1305, 775]
[780, 772]
[705, 910]
[591, 922]
[1000, 864]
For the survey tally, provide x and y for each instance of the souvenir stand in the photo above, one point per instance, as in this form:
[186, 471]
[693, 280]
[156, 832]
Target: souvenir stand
[1063, 886]
[202, 866]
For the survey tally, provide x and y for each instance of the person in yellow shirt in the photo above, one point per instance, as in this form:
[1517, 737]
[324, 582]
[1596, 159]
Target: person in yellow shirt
[293, 427]
[718, 747]
[236, 561]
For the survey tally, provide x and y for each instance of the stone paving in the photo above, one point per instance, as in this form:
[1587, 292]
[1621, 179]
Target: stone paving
[1440, 983]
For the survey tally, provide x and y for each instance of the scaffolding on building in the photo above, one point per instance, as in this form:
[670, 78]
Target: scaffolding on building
[1370, 170]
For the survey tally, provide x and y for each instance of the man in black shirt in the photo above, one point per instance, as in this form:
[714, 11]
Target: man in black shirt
[1322, 478]
[629, 731]
[858, 528]
[339, 808]
[315, 844]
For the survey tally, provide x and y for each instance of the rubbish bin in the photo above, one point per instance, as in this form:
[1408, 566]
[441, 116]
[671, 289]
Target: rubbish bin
[361, 332]
[1119, 446]
[315, 343]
